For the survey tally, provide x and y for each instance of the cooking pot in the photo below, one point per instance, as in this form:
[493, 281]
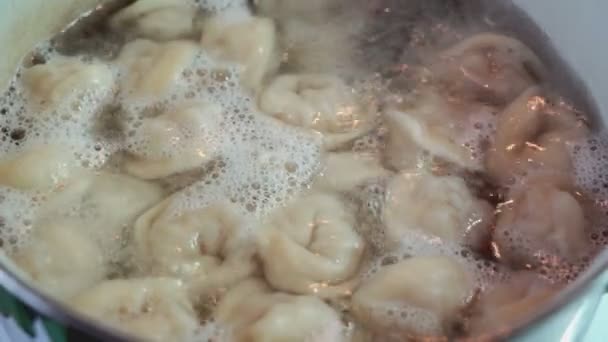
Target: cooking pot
[575, 29]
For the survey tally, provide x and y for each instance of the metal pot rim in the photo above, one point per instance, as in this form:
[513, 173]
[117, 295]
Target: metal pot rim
[52, 308]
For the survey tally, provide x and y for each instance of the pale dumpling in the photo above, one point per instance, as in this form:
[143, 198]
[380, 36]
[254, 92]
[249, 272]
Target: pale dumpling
[425, 121]
[322, 45]
[151, 69]
[176, 141]
[40, 168]
[106, 203]
[429, 290]
[508, 303]
[204, 245]
[542, 217]
[489, 68]
[156, 19]
[152, 309]
[320, 102]
[251, 312]
[311, 246]
[63, 80]
[344, 171]
[248, 41]
[440, 206]
[294, 8]
[532, 136]
[61, 258]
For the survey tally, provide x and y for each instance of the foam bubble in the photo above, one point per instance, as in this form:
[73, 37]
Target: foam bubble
[17, 214]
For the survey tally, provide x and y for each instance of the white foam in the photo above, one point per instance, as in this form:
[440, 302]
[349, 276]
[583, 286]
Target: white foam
[17, 214]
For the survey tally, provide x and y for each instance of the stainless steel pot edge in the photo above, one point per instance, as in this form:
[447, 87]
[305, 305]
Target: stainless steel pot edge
[594, 279]
[48, 306]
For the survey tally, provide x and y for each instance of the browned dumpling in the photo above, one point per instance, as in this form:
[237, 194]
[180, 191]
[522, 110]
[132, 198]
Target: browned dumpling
[533, 136]
[420, 292]
[489, 68]
[542, 217]
[509, 302]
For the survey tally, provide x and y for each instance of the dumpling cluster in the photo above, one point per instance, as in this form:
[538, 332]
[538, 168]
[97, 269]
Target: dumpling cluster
[69, 252]
[467, 83]
[481, 112]
[172, 246]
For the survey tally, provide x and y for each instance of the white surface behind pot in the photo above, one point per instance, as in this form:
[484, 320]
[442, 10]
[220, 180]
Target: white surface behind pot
[578, 28]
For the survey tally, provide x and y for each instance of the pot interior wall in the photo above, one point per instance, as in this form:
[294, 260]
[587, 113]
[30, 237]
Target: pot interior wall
[23, 23]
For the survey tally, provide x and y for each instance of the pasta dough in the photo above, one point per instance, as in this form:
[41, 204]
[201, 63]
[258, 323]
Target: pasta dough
[60, 81]
[174, 142]
[61, 258]
[508, 303]
[346, 170]
[489, 68]
[441, 206]
[202, 245]
[311, 246]
[156, 19]
[436, 285]
[151, 69]
[253, 313]
[249, 41]
[152, 309]
[323, 103]
[542, 217]
[425, 121]
[533, 136]
[40, 168]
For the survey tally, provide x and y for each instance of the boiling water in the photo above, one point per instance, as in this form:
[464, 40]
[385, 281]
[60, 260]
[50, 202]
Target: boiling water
[260, 164]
